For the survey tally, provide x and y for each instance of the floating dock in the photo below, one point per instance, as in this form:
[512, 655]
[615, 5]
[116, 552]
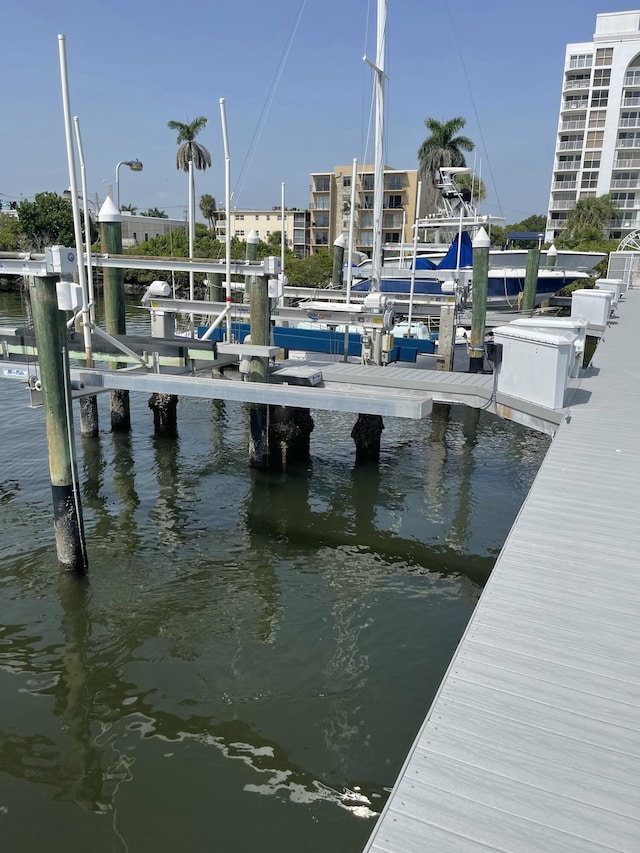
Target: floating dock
[533, 740]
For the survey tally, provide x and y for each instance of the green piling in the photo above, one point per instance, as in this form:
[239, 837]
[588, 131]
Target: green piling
[258, 372]
[50, 332]
[475, 347]
[216, 287]
[252, 255]
[531, 279]
[114, 305]
[338, 261]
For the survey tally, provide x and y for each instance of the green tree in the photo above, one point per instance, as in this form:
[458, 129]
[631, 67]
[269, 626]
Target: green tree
[46, 221]
[589, 220]
[313, 271]
[209, 209]
[443, 147]
[190, 150]
[12, 238]
[154, 211]
[128, 208]
[475, 185]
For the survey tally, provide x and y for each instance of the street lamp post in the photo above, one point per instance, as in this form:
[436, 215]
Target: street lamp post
[134, 165]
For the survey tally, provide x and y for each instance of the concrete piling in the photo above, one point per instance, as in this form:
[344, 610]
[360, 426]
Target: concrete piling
[475, 348]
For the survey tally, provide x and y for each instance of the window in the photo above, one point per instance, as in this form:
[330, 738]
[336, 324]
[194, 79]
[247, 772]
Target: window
[395, 182]
[367, 202]
[239, 216]
[298, 235]
[629, 118]
[322, 220]
[604, 56]
[366, 238]
[268, 233]
[239, 233]
[366, 220]
[135, 236]
[580, 60]
[594, 139]
[346, 181]
[322, 202]
[597, 118]
[367, 182]
[146, 236]
[323, 184]
[593, 163]
[394, 202]
[589, 180]
[600, 98]
[601, 78]
[392, 237]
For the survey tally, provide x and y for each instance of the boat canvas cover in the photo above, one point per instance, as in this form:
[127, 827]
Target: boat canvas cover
[451, 261]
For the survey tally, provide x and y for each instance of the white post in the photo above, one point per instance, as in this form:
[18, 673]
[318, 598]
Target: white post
[283, 243]
[227, 204]
[414, 256]
[87, 223]
[352, 213]
[73, 186]
[378, 183]
[191, 240]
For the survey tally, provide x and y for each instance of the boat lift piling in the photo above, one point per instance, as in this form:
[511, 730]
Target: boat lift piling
[252, 255]
[475, 348]
[50, 332]
[338, 260]
[531, 279]
[260, 321]
[110, 221]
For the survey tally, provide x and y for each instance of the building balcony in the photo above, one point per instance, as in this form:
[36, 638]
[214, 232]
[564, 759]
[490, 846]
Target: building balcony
[575, 105]
[577, 84]
[629, 122]
[572, 145]
[632, 163]
[578, 124]
[628, 143]
[563, 204]
[583, 62]
[632, 78]
[631, 184]
[631, 101]
[564, 185]
[567, 166]
[628, 203]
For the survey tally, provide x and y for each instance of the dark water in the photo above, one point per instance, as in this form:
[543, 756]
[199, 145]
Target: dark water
[249, 648]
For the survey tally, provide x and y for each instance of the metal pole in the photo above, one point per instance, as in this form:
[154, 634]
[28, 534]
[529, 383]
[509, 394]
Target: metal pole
[191, 239]
[283, 243]
[121, 163]
[227, 203]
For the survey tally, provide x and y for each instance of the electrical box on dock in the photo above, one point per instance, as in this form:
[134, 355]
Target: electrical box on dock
[296, 375]
[60, 260]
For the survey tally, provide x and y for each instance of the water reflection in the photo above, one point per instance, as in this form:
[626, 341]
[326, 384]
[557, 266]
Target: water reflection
[459, 530]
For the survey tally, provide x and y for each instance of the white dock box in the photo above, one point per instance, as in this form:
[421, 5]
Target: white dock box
[594, 305]
[576, 325]
[535, 365]
[612, 284]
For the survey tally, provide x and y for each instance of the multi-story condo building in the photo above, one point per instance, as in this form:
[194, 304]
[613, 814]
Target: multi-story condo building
[331, 203]
[598, 142]
[266, 223]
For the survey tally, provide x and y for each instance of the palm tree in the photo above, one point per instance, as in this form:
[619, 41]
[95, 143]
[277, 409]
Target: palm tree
[191, 154]
[209, 209]
[155, 211]
[443, 147]
[129, 208]
[590, 219]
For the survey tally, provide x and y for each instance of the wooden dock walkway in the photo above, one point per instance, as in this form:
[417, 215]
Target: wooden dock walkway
[533, 740]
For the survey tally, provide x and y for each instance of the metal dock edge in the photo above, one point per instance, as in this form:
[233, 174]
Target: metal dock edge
[533, 740]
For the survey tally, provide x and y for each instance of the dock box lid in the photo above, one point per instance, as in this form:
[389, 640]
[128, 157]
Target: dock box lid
[562, 337]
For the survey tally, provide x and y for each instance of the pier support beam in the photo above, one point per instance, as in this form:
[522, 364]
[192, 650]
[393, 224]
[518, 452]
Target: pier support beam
[50, 333]
[114, 307]
[531, 279]
[165, 417]
[258, 372]
[475, 347]
[366, 434]
[289, 436]
[446, 338]
[338, 261]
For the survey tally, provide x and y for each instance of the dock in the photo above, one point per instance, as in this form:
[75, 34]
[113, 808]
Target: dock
[532, 742]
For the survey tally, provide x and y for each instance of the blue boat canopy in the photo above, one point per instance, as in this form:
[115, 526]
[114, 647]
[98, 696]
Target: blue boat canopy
[450, 260]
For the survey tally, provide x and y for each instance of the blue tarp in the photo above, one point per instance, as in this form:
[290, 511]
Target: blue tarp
[450, 260]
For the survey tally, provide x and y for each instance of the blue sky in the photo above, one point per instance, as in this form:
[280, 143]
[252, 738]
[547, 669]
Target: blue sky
[297, 98]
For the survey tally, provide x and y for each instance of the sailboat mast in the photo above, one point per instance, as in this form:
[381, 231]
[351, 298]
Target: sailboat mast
[378, 178]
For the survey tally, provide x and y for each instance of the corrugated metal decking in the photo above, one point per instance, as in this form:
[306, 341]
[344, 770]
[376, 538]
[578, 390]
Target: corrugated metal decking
[533, 741]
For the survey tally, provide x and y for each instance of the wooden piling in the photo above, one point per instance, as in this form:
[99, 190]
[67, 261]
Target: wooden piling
[50, 334]
[216, 287]
[475, 348]
[446, 338]
[114, 305]
[366, 434]
[338, 261]
[531, 279]
[290, 431]
[252, 255]
[258, 372]
[165, 418]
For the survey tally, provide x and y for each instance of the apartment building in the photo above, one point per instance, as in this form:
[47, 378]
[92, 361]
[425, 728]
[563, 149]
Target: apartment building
[598, 140]
[266, 223]
[331, 204]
